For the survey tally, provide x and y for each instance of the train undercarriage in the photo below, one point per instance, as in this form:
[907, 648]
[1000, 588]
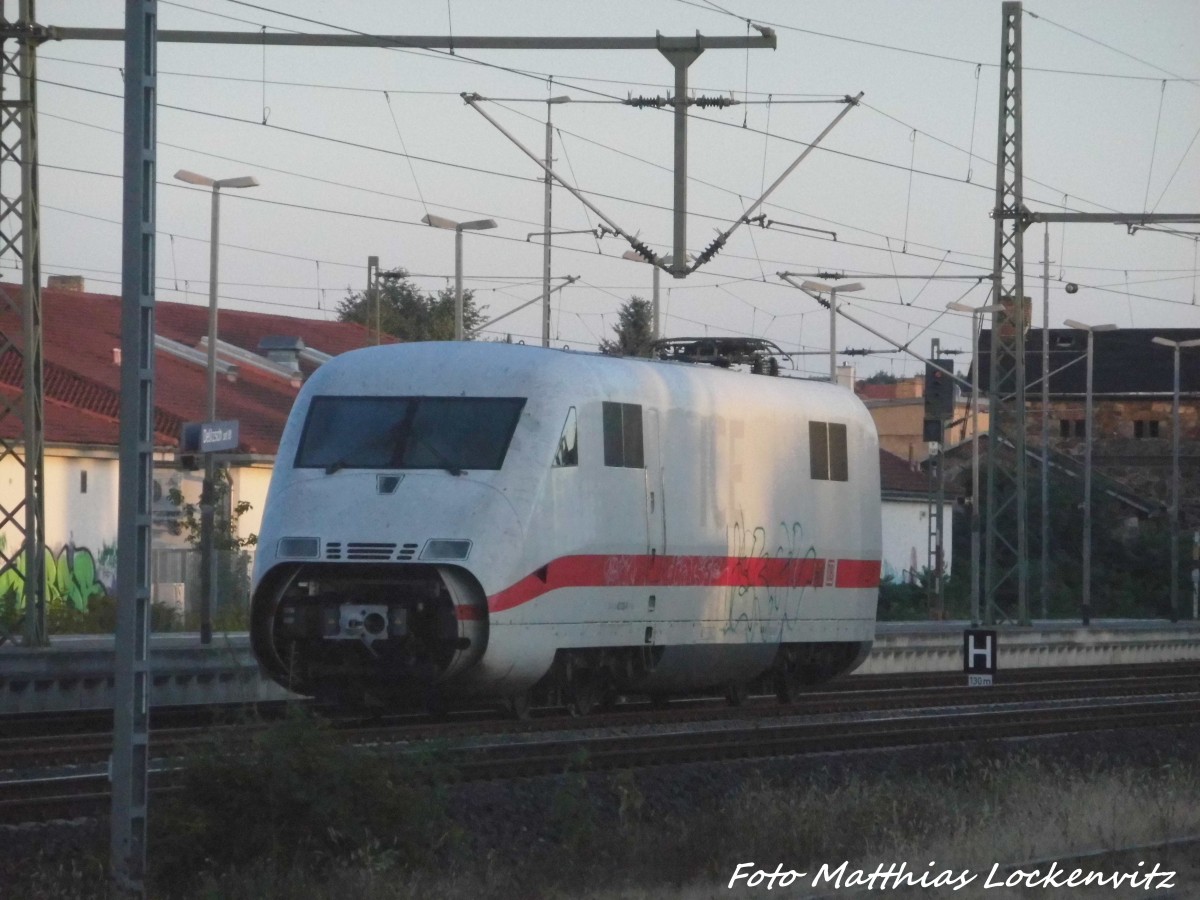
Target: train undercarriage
[379, 635]
[368, 633]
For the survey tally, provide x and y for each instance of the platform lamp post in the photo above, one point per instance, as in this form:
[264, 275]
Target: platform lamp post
[458, 228]
[1176, 346]
[550, 101]
[1087, 466]
[977, 312]
[833, 290]
[656, 324]
[208, 558]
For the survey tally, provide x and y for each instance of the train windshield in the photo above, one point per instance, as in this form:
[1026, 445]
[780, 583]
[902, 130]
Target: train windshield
[452, 433]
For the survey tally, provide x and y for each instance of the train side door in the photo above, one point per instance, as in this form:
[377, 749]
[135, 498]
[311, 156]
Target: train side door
[656, 505]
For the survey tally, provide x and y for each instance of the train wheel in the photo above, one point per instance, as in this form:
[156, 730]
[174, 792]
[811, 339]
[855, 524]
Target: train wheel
[585, 690]
[789, 680]
[736, 693]
[519, 706]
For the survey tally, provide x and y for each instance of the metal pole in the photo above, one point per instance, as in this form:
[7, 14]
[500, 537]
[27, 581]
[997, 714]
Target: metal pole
[458, 278]
[1175, 493]
[131, 667]
[657, 332]
[208, 498]
[833, 335]
[373, 294]
[1087, 489]
[1046, 423]
[33, 396]
[546, 245]
[680, 59]
[977, 325]
[1196, 575]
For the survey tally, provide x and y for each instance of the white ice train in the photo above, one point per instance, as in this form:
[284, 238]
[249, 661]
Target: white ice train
[451, 520]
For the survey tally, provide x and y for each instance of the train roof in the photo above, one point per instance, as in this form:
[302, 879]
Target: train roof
[478, 368]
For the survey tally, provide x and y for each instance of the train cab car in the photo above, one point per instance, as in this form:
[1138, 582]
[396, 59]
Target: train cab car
[467, 519]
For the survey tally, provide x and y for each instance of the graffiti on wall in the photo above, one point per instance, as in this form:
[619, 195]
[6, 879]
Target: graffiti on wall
[73, 576]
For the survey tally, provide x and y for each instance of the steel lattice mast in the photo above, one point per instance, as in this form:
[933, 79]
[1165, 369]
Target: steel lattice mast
[1006, 574]
[20, 240]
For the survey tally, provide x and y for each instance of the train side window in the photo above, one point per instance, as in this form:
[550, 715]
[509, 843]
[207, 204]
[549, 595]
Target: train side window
[828, 459]
[623, 435]
[568, 442]
[631, 416]
[839, 468]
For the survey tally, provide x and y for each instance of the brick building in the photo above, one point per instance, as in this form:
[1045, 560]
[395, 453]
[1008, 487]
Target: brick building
[1132, 396]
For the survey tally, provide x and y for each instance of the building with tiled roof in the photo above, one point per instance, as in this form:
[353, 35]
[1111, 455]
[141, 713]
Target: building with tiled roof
[82, 372]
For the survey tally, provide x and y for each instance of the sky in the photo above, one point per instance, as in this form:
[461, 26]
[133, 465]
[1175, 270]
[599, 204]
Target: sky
[352, 147]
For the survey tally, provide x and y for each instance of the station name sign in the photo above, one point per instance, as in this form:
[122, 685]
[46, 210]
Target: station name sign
[209, 437]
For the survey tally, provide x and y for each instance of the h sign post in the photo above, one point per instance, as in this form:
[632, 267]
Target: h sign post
[979, 657]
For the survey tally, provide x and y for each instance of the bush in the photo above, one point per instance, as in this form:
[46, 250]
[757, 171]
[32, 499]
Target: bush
[293, 795]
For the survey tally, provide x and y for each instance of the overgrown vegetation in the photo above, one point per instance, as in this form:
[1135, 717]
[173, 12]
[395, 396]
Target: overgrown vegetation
[293, 795]
[289, 812]
[1130, 563]
[233, 560]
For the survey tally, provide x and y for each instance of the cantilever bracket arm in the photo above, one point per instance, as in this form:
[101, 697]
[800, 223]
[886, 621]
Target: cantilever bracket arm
[903, 348]
[719, 241]
[473, 101]
[570, 279]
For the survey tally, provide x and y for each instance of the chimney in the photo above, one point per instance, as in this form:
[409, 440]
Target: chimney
[282, 350]
[70, 283]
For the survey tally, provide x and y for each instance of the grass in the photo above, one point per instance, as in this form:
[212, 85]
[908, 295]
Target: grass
[290, 814]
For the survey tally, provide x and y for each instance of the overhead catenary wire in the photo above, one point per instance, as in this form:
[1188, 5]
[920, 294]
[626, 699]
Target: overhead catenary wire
[889, 250]
[525, 178]
[929, 55]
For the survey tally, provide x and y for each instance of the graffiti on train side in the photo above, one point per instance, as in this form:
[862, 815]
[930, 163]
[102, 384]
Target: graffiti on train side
[770, 579]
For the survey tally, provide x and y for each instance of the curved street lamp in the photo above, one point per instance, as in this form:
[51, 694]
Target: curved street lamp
[458, 228]
[208, 559]
[1087, 466]
[833, 290]
[1176, 346]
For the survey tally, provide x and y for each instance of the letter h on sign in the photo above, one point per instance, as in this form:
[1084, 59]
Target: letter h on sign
[979, 656]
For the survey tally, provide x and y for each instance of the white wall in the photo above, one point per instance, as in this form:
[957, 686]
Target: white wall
[250, 484]
[906, 537]
[76, 516]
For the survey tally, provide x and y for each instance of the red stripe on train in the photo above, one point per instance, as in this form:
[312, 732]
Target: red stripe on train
[686, 571]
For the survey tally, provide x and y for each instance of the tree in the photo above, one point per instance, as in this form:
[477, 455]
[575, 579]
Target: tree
[633, 329]
[881, 377]
[408, 313]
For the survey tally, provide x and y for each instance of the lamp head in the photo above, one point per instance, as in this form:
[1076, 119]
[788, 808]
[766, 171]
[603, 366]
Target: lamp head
[194, 178]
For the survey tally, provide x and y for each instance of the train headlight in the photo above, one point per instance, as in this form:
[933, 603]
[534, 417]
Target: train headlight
[443, 549]
[299, 547]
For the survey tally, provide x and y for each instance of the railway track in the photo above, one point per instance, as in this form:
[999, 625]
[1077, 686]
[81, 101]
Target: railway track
[838, 720]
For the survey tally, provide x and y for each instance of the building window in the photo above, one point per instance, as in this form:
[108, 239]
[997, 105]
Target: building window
[83, 481]
[1145, 428]
[827, 451]
[623, 435]
[1071, 428]
[568, 443]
